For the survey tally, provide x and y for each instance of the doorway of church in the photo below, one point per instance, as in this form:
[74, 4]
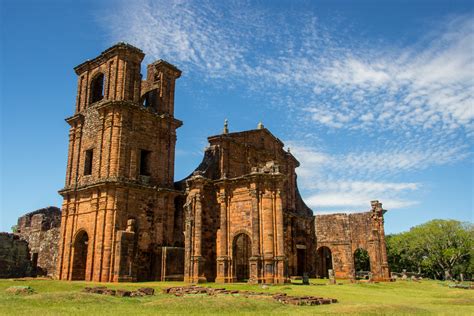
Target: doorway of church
[324, 262]
[301, 261]
[80, 256]
[240, 256]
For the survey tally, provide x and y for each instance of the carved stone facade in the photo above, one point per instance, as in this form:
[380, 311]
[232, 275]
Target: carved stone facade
[243, 210]
[238, 217]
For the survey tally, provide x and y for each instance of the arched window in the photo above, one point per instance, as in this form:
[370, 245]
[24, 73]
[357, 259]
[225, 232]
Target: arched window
[97, 88]
[150, 99]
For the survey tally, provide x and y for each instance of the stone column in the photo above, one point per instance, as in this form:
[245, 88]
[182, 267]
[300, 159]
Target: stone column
[256, 258]
[188, 249]
[223, 260]
[268, 237]
[197, 259]
[384, 259]
[279, 239]
[63, 245]
[108, 235]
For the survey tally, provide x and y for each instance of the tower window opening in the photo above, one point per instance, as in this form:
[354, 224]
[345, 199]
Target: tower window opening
[150, 99]
[88, 162]
[145, 162]
[97, 88]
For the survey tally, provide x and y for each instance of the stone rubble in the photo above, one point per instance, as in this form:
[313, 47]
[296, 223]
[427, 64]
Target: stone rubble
[280, 297]
[144, 291]
[20, 290]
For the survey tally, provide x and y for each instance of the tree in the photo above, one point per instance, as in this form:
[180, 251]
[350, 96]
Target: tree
[14, 228]
[436, 248]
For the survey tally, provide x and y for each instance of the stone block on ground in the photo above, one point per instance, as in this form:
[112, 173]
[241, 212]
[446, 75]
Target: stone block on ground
[20, 290]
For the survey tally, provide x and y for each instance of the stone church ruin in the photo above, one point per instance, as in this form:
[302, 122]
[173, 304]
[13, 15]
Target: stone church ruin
[238, 217]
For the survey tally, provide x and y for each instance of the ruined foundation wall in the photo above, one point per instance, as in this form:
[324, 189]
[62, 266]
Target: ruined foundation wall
[14, 257]
[343, 234]
[299, 245]
[41, 229]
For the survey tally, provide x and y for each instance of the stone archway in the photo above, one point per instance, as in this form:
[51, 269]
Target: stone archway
[324, 262]
[80, 256]
[361, 263]
[241, 252]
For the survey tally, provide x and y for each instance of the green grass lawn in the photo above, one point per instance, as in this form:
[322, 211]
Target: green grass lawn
[402, 297]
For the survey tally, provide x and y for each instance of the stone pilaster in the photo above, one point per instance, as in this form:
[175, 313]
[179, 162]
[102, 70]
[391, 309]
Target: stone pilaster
[224, 274]
[255, 260]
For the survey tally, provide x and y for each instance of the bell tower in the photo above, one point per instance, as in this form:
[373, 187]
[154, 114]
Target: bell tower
[118, 208]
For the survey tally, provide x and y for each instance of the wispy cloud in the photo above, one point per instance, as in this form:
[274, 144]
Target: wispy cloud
[412, 106]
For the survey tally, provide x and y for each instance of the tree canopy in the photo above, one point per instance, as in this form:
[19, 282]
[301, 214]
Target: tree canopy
[434, 249]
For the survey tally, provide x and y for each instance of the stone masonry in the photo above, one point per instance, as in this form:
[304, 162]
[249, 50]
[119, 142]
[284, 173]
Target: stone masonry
[119, 198]
[243, 212]
[41, 230]
[237, 217]
[14, 257]
[340, 235]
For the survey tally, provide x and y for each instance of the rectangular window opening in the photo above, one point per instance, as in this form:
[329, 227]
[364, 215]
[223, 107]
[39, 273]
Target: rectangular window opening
[88, 162]
[145, 162]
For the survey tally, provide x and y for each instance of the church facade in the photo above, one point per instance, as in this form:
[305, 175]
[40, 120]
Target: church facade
[237, 217]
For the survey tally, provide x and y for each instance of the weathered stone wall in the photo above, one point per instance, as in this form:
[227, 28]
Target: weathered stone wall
[130, 134]
[241, 213]
[41, 230]
[14, 257]
[300, 244]
[343, 234]
[252, 179]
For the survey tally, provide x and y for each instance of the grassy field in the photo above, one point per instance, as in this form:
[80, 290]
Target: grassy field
[402, 297]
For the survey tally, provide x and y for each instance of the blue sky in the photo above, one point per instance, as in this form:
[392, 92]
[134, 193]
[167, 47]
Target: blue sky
[375, 98]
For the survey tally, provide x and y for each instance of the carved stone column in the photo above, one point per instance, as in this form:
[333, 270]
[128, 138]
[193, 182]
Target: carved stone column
[268, 237]
[188, 233]
[223, 259]
[197, 259]
[280, 258]
[383, 272]
[255, 260]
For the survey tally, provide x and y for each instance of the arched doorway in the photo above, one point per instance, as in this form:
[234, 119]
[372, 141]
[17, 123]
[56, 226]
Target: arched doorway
[361, 263]
[324, 262]
[241, 252]
[80, 256]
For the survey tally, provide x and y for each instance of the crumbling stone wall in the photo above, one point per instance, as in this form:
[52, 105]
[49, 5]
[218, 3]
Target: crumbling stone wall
[247, 185]
[41, 230]
[14, 257]
[343, 234]
[124, 217]
[120, 168]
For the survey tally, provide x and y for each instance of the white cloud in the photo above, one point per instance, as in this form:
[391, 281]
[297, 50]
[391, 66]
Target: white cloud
[398, 109]
[348, 194]
[429, 85]
[349, 202]
[349, 181]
